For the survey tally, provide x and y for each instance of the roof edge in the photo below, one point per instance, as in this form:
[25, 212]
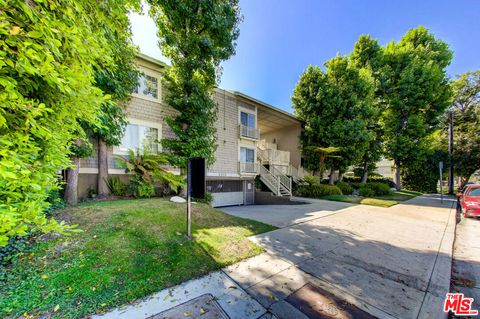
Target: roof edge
[248, 97]
[152, 60]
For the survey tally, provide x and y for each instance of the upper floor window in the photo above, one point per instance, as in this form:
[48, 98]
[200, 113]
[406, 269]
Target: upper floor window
[247, 155]
[147, 86]
[247, 119]
[140, 137]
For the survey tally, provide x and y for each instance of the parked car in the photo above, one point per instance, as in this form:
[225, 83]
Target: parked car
[469, 201]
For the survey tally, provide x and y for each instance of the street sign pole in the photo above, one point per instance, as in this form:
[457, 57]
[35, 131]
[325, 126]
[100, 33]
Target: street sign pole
[189, 199]
[440, 166]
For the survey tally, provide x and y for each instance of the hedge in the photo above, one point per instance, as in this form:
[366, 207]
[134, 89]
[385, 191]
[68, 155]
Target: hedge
[317, 191]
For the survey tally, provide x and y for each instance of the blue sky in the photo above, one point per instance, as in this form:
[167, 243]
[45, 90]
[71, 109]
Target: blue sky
[280, 38]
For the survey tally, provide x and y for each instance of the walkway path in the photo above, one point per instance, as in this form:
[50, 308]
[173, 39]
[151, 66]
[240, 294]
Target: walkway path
[466, 263]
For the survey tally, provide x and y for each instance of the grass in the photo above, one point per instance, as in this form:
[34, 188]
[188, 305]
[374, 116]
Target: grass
[128, 249]
[381, 201]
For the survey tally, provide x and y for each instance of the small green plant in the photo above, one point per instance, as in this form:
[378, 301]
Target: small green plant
[147, 169]
[207, 200]
[345, 187]
[116, 186]
[312, 180]
[366, 192]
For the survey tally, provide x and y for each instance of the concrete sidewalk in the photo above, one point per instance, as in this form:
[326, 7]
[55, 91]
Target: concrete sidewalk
[466, 260]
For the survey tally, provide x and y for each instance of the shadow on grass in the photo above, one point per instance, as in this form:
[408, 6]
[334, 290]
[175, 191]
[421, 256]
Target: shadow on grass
[127, 250]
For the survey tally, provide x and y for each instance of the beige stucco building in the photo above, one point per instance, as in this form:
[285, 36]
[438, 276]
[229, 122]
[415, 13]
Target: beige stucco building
[253, 139]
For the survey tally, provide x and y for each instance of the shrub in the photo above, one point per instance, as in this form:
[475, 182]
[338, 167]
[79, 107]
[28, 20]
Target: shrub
[366, 192]
[374, 179]
[207, 200]
[116, 186]
[380, 189]
[377, 189]
[312, 180]
[317, 191]
[141, 188]
[345, 187]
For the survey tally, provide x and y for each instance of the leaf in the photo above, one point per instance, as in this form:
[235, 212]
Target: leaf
[44, 276]
[56, 308]
[15, 30]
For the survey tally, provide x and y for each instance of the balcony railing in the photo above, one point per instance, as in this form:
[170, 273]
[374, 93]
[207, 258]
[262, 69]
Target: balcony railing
[250, 168]
[274, 156]
[250, 132]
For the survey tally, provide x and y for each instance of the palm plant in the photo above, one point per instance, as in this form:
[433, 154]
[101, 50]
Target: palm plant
[324, 152]
[149, 168]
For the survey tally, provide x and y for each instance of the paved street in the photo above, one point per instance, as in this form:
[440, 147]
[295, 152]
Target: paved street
[466, 263]
[390, 262]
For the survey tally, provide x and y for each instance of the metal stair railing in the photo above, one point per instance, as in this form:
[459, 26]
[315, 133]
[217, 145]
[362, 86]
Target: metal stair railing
[284, 180]
[270, 180]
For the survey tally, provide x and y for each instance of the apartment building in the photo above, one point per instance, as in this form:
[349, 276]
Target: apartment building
[253, 138]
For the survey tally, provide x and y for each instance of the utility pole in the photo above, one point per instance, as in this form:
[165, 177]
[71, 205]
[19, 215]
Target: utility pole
[450, 152]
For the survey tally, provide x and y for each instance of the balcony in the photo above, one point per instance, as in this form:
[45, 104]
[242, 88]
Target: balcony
[249, 132]
[248, 168]
[273, 156]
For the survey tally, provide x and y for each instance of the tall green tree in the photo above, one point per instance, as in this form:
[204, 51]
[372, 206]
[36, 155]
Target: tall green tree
[48, 55]
[466, 124]
[367, 56]
[116, 79]
[415, 92]
[335, 105]
[196, 36]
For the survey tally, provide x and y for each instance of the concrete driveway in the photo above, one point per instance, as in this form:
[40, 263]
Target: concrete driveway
[390, 262]
[286, 215]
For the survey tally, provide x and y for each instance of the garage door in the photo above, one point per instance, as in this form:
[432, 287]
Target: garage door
[227, 199]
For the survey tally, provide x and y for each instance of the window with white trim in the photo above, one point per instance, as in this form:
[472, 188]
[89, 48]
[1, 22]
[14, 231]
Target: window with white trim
[140, 137]
[247, 119]
[147, 86]
[247, 155]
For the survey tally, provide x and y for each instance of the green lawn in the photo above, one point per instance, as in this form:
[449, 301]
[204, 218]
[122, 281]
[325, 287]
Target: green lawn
[381, 201]
[128, 249]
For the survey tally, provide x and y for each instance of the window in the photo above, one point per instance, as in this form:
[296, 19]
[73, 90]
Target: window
[247, 119]
[247, 155]
[139, 137]
[147, 86]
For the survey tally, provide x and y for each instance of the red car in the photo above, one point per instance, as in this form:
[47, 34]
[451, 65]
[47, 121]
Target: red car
[469, 201]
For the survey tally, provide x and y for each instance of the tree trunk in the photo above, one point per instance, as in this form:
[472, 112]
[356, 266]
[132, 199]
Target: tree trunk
[102, 188]
[340, 176]
[331, 178]
[365, 173]
[398, 182]
[72, 183]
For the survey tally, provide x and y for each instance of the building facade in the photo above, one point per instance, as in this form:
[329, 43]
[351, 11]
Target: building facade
[253, 139]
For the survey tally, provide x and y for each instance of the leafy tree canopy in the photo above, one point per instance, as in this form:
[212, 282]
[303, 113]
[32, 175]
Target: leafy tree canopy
[48, 57]
[414, 91]
[335, 105]
[466, 124]
[196, 36]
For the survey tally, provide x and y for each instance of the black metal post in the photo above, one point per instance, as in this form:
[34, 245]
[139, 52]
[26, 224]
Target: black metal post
[189, 199]
[450, 153]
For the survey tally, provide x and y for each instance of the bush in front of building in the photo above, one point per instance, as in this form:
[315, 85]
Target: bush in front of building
[374, 189]
[317, 191]
[366, 192]
[345, 187]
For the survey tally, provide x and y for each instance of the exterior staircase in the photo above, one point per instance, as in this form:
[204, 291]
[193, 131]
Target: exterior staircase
[279, 184]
